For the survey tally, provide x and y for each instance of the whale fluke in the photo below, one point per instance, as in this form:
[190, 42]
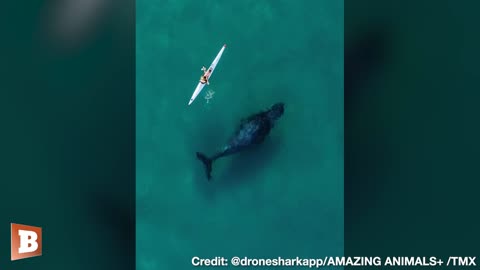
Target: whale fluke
[208, 164]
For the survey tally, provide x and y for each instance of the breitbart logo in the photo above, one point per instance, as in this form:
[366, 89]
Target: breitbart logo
[26, 241]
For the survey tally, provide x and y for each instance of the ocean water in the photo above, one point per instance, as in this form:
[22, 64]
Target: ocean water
[284, 198]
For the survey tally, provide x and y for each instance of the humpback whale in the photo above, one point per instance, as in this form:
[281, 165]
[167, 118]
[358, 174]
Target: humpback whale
[252, 131]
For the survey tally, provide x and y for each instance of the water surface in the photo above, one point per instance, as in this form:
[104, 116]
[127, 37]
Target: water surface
[284, 198]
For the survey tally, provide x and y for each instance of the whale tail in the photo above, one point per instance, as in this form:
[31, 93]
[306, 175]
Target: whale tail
[208, 164]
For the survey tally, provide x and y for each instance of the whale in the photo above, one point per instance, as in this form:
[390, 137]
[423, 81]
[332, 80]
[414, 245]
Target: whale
[252, 131]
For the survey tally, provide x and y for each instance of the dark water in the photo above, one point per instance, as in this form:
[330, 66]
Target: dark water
[284, 198]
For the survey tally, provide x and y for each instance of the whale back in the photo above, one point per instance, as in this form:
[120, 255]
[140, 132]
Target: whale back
[250, 132]
[254, 129]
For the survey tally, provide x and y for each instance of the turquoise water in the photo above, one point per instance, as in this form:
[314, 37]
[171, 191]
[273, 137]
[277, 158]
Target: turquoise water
[284, 198]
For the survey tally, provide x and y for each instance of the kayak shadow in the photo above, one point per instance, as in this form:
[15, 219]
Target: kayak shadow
[238, 170]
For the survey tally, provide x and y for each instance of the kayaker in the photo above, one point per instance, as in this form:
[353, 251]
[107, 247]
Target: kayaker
[205, 76]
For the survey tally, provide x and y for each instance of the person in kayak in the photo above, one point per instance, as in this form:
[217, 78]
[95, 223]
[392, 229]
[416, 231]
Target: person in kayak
[205, 76]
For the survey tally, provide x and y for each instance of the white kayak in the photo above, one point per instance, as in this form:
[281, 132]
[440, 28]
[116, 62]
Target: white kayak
[212, 67]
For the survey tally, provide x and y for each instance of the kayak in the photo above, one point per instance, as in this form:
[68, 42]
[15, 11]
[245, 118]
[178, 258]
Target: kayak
[212, 68]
